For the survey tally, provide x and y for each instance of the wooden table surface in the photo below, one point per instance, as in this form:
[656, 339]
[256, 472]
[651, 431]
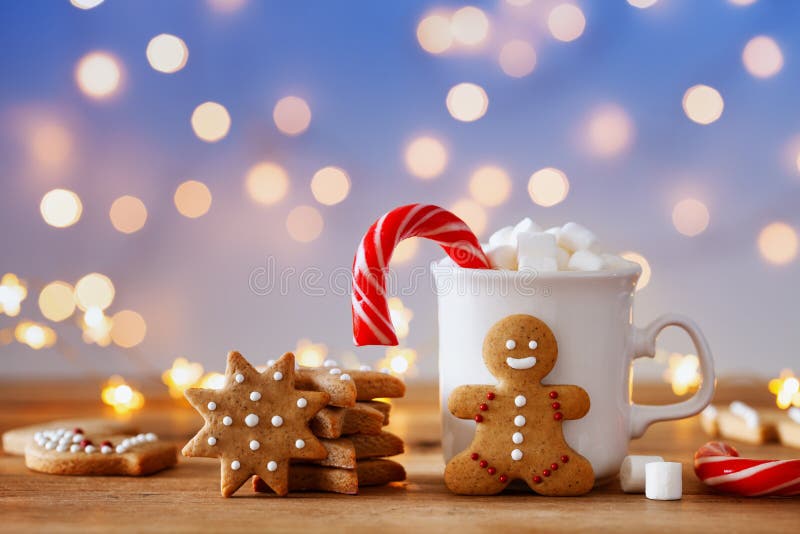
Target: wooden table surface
[186, 498]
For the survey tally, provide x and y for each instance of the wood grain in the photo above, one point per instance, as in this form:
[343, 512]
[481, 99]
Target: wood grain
[186, 499]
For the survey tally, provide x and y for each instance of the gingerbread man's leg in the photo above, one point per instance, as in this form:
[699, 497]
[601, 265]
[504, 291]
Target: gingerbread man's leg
[470, 474]
[576, 470]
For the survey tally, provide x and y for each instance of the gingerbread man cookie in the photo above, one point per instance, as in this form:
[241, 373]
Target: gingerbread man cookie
[519, 434]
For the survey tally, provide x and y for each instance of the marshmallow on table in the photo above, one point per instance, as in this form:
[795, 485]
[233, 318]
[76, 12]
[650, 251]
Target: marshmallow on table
[575, 237]
[632, 473]
[663, 481]
[537, 251]
[584, 260]
[502, 256]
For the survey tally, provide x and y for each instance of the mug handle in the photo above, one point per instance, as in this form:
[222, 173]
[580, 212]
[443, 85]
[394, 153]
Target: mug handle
[644, 345]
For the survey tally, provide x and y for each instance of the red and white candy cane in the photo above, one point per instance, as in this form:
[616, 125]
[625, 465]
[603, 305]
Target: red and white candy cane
[719, 465]
[372, 324]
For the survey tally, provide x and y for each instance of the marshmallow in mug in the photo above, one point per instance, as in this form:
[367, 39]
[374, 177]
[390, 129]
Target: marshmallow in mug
[564, 248]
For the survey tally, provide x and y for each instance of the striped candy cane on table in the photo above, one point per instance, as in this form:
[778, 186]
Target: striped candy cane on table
[719, 466]
[372, 324]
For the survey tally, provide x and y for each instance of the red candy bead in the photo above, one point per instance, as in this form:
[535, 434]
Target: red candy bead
[490, 396]
[106, 443]
[484, 407]
[554, 466]
[558, 416]
[77, 430]
[556, 405]
[491, 470]
[479, 418]
[86, 442]
[537, 479]
[474, 456]
[564, 459]
[554, 394]
[546, 472]
[503, 479]
[483, 464]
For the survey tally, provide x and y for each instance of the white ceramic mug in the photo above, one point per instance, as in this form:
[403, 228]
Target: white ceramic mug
[591, 315]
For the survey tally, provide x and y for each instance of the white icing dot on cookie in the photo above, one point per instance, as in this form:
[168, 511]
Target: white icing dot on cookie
[270, 363]
[272, 466]
[251, 420]
[150, 436]
[227, 420]
[75, 447]
[255, 396]
[61, 448]
[532, 344]
[105, 449]
[212, 406]
[239, 377]
[235, 465]
[516, 455]
[120, 449]
[511, 344]
[517, 438]
[254, 445]
[299, 444]
[345, 376]
[50, 445]
[277, 420]
[335, 371]
[89, 449]
[77, 438]
[519, 420]
[302, 403]
[278, 376]
[212, 441]
[330, 363]
[520, 401]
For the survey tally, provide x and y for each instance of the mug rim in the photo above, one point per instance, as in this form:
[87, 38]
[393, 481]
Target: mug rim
[634, 270]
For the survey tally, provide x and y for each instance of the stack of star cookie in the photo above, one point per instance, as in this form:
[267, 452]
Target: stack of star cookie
[350, 429]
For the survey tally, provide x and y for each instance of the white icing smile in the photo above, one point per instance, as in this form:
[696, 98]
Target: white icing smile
[521, 363]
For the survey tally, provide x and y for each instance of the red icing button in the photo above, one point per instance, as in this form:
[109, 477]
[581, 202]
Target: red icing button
[503, 479]
[554, 394]
[546, 472]
[537, 479]
[86, 442]
[554, 466]
[106, 443]
[558, 416]
[565, 459]
[490, 395]
[475, 456]
[556, 405]
[491, 470]
[479, 418]
[483, 463]
[77, 430]
[484, 407]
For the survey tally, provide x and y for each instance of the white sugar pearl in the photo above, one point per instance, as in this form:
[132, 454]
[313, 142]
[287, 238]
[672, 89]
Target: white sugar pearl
[519, 420]
[121, 449]
[105, 449]
[532, 344]
[89, 449]
[61, 448]
[150, 437]
[212, 406]
[335, 371]
[330, 363]
[299, 444]
[64, 441]
[345, 376]
[227, 420]
[520, 401]
[239, 377]
[77, 438]
[277, 376]
[235, 465]
[516, 455]
[38, 436]
[272, 466]
[254, 445]
[50, 445]
[511, 344]
[255, 396]
[277, 420]
[517, 438]
[74, 447]
[212, 441]
[251, 420]
[364, 368]
[270, 363]
[302, 403]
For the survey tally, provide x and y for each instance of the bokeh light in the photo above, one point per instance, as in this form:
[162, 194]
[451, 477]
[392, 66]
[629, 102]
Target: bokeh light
[762, 57]
[518, 3]
[35, 335]
[94, 290]
[57, 301]
[490, 185]
[192, 199]
[566, 22]
[212, 381]
[85, 4]
[433, 34]
[167, 53]
[98, 75]
[609, 131]
[549, 186]
[703, 104]
[128, 214]
[469, 26]
[399, 361]
[400, 317]
[49, 144]
[121, 396]
[304, 224]
[330, 185]
[683, 373]
[128, 328]
[642, 4]
[635, 257]
[786, 389]
[226, 6]
[471, 213]
[266, 183]
[181, 376]
[517, 58]
[742, 2]
[405, 250]
[310, 354]
[467, 102]
[12, 292]
[292, 115]
[778, 243]
[426, 157]
[61, 208]
[690, 217]
[211, 121]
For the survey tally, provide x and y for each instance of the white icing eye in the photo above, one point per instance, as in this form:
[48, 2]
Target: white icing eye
[532, 344]
[511, 344]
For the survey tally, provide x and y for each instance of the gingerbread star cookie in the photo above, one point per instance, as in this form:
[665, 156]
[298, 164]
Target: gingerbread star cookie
[518, 434]
[256, 424]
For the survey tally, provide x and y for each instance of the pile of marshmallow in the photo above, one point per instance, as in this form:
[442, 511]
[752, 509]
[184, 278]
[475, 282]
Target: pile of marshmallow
[562, 248]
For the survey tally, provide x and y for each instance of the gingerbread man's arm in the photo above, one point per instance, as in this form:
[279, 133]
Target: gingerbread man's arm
[464, 400]
[573, 401]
